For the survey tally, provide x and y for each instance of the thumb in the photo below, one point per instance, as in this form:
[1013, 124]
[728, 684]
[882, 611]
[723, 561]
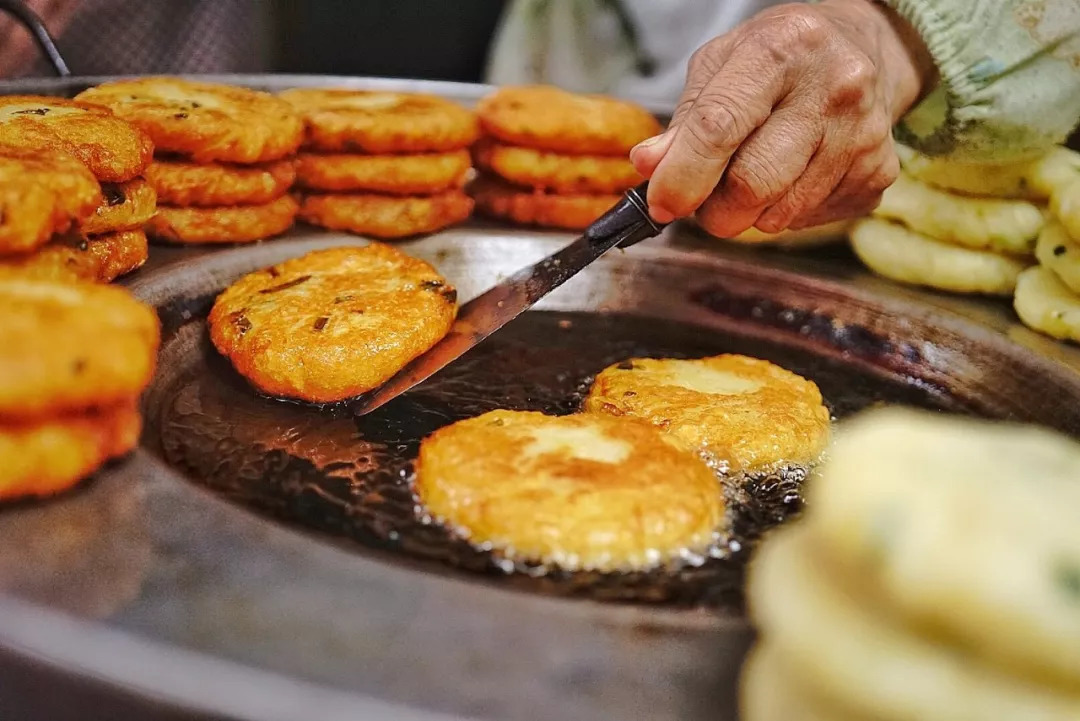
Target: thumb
[647, 154]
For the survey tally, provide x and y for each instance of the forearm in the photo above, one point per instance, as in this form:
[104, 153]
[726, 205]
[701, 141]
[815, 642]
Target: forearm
[1009, 76]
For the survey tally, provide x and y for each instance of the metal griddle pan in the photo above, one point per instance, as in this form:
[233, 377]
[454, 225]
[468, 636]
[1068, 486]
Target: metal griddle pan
[167, 588]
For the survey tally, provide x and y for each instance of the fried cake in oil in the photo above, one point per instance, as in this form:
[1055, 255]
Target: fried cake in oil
[44, 457]
[367, 121]
[206, 122]
[182, 183]
[549, 118]
[332, 324]
[417, 174]
[556, 172]
[745, 413]
[125, 206]
[42, 192]
[574, 492]
[227, 224]
[70, 347]
[501, 200]
[111, 148]
[386, 216]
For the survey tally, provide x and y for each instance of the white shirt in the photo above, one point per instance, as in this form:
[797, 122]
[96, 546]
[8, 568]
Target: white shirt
[581, 45]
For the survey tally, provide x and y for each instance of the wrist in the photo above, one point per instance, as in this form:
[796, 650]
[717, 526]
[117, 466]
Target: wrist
[907, 69]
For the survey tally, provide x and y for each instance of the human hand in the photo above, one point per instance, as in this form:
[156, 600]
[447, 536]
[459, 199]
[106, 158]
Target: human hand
[786, 122]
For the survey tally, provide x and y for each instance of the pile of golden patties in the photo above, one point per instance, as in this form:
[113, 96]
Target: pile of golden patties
[74, 201]
[1048, 296]
[224, 156]
[75, 358]
[959, 227]
[553, 158]
[383, 164]
[630, 483]
[935, 575]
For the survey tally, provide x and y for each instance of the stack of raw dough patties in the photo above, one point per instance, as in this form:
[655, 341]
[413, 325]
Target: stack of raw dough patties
[76, 204]
[382, 164]
[553, 158]
[224, 161]
[934, 575]
[1048, 296]
[75, 358]
[961, 227]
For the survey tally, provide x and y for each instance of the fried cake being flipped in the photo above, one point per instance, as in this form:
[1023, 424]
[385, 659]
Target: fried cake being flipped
[332, 324]
[743, 413]
[577, 492]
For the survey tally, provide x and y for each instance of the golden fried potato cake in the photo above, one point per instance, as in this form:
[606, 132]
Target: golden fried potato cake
[206, 122]
[227, 224]
[965, 528]
[111, 148]
[1065, 206]
[42, 458]
[548, 118]
[1030, 179]
[100, 258]
[418, 174]
[1057, 251]
[386, 216]
[332, 324]
[501, 200]
[900, 254]
[1045, 304]
[374, 121]
[126, 206]
[69, 347]
[208, 185]
[42, 192]
[744, 412]
[1003, 226]
[576, 492]
[556, 172]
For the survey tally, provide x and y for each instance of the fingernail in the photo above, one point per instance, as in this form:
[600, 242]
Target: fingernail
[648, 142]
[660, 215]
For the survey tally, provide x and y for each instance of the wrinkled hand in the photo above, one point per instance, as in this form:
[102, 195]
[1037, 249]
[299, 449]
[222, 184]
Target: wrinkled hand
[786, 121]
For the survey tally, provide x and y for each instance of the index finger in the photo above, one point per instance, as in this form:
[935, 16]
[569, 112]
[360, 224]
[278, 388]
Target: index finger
[732, 105]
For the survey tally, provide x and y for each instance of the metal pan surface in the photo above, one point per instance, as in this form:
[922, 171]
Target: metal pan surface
[149, 594]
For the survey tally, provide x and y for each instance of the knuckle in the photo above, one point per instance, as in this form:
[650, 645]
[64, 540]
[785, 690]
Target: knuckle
[752, 181]
[704, 62]
[852, 86]
[714, 127]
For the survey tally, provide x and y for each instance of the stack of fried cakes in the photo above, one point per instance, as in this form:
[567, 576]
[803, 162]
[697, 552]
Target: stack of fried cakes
[74, 201]
[962, 227]
[224, 157]
[68, 407]
[555, 159]
[934, 575]
[381, 164]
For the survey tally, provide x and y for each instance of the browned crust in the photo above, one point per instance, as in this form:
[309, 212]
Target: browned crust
[381, 122]
[556, 172]
[183, 184]
[575, 501]
[110, 147]
[71, 346]
[101, 258]
[125, 206]
[548, 118]
[385, 216]
[204, 121]
[233, 224]
[418, 174]
[527, 207]
[46, 457]
[331, 324]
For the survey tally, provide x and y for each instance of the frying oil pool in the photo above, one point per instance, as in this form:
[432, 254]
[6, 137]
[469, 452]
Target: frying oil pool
[328, 471]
